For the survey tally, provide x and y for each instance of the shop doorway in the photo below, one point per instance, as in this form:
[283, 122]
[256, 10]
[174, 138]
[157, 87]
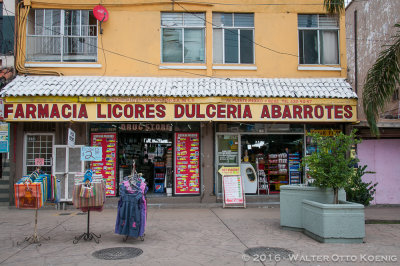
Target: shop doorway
[267, 161]
[270, 161]
[151, 154]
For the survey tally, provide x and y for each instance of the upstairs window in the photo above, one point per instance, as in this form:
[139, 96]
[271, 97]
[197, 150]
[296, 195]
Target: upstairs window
[318, 39]
[6, 31]
[233, 38]
[183, 37]
[61, 36]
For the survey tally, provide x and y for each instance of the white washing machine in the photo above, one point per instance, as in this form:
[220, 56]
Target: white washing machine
[249, 177]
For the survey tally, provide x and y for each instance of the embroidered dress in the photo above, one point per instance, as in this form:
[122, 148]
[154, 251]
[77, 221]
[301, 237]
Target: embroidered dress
[131, 214]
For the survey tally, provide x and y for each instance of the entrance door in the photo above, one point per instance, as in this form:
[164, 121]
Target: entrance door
[228, 155]
[67, 163]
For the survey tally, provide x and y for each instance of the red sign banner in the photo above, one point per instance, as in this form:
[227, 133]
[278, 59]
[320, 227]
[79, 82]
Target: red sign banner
[107, 166]
[187, 163]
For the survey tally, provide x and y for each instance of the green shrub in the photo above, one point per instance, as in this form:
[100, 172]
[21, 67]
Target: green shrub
[359, 191]
[330, 166]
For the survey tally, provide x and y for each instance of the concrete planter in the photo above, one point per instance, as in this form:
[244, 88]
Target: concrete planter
[291, 198]
[334, 223]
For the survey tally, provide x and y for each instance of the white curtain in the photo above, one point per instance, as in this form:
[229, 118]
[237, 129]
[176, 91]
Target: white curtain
[217, 46]
[329, 47]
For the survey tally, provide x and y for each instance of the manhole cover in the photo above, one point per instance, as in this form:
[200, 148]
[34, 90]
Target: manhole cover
[269, 252]
[117, 253]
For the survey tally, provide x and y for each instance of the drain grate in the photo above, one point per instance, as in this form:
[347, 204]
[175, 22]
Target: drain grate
[119, 253]
[81, 213]
[268, 251]
[65, 213]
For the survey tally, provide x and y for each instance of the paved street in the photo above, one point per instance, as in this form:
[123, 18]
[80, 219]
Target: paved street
[198, 236]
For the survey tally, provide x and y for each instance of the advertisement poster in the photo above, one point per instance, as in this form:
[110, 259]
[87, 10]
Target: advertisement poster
[233, 189]
[4, 137]
[187, 163]
[107, 166]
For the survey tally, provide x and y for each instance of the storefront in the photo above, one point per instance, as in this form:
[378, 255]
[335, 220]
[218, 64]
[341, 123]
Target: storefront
[177, 141]
[269, 154]
[155, 150]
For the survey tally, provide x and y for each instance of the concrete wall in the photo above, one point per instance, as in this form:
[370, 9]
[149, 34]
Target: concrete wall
[382, 156]
[375, 21]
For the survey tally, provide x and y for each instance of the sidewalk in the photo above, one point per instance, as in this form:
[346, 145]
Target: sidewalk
[201, 236]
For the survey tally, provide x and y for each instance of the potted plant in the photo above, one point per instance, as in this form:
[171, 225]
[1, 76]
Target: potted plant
[332, 167]
[332, 219]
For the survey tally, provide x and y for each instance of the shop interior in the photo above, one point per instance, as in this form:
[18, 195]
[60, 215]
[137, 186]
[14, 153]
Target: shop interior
[270, 161]
[151, 154]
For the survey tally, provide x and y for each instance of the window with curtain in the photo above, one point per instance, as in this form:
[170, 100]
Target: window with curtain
[233, 38]
[318, 39]
[61, 36]
[183, 37]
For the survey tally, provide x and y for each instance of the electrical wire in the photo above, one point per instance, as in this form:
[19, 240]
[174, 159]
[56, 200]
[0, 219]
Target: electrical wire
[267, 48]
[102, 48]
[21, 25]
[128, 57]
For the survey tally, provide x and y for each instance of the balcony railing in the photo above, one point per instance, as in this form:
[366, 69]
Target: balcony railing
[57, 48]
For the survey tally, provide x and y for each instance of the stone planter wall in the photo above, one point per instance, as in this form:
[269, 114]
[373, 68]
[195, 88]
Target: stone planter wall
[291, 198]
[334, 223]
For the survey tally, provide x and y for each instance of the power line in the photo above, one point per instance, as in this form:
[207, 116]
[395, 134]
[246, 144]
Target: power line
[147, 62]
[234, 32]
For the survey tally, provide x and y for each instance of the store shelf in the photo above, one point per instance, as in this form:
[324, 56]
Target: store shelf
[277, 169]
[294, 168]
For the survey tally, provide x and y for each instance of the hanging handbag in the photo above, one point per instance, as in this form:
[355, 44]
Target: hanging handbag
[87, 191]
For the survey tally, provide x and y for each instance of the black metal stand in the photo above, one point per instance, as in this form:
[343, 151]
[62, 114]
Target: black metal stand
[35, 238]
[88, 235]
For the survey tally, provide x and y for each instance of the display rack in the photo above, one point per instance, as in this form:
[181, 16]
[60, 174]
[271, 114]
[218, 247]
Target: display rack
[35, 238]
[294, 168]
[277, 171]
[87, 236]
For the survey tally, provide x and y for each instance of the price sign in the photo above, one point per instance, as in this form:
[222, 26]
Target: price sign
[71, 138]
[39, 161]
[91, 154]
[232, 187]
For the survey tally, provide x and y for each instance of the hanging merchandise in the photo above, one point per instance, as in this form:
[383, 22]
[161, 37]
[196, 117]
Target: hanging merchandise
[187, 162]
[89, 195]
[107, 166]
[132, 207]
[31, 193]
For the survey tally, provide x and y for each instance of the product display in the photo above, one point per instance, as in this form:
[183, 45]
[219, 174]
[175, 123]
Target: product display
[132, 207]
[187, 163]
[263, 187]
[294, 168]
[277, 171]
[159, 176]
[89, 194]
[107, 166]
[31, 192]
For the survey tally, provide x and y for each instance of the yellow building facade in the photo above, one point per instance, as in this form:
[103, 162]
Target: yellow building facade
[240, 82]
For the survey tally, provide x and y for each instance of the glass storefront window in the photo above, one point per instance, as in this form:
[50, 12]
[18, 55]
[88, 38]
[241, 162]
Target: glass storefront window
[260, 127]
